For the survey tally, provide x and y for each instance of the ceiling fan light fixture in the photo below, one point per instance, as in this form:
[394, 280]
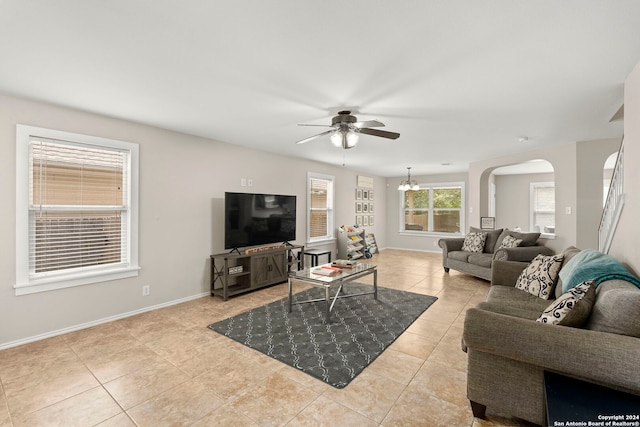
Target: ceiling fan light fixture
[352, 139]
[409, 184]
[344, 139]
[345, 130]
[336, 138]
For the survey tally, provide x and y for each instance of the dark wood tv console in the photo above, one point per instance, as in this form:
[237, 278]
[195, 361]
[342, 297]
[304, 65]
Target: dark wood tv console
[237, 273]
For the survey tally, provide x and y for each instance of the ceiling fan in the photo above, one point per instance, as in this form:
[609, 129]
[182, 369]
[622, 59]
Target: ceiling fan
[345, 129]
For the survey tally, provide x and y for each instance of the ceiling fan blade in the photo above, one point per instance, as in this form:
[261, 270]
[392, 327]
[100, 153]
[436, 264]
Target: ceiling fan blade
[305, 124]
[315, 136]
[380, 133]
[368, 124]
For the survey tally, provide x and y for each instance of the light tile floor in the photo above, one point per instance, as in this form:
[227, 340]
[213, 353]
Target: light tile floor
[165, 367]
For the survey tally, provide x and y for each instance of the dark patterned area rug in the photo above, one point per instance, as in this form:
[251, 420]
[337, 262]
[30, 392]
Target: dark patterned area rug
[360, 329]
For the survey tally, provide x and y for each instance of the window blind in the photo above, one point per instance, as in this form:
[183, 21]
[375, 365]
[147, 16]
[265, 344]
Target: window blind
[319, 207]
[78, 203]
[544, 205]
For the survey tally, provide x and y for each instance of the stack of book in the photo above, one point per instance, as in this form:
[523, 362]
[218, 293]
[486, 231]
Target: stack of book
[326, 270]
[343, 263]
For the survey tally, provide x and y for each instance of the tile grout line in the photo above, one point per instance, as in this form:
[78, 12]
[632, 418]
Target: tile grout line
[448, 330]
[100, 384]
[6, 402]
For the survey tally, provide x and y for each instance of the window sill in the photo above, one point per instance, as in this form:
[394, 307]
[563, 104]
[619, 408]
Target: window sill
[71, 280]
[549, 236]
[429, 234]
[321, 242]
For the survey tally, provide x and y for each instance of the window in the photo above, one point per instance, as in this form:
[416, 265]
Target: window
[76, 209]
[543, 207]
[319, 207]
[434, 208]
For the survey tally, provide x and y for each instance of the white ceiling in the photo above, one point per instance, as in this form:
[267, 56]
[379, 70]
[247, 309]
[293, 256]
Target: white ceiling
[459, 80]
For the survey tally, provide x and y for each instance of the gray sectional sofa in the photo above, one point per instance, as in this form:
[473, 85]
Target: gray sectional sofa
[480, 264]
[508, 350]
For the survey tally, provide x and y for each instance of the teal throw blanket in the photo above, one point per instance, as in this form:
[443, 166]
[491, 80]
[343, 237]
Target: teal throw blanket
[591, 264]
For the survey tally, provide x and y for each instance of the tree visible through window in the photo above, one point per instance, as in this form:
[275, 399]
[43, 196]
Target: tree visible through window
[434, 208]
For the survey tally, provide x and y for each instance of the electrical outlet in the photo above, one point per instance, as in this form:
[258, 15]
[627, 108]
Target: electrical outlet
[145, 290]
[250, 182]
[243, 182]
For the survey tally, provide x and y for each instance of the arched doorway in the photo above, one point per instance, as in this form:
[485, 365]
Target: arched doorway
[525, 196]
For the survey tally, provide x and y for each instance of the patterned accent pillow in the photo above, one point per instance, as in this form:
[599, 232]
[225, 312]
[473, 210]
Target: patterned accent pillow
[474, 242]
[573, 308]
[540, 276]
[510, 242]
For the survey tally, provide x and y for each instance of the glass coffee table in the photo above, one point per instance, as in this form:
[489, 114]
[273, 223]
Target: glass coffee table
[345, 275]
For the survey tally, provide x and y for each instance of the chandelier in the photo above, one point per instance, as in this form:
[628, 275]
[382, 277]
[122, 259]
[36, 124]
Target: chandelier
[409, 184]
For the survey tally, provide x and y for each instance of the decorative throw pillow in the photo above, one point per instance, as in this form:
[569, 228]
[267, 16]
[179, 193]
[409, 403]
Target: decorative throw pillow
[540, 276]
[510, 242]
[572, 308]
[491, 241]
[474, 242]
[528, 239]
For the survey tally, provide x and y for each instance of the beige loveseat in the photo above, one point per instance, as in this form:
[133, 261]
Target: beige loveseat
[479, 263]
[508, 350]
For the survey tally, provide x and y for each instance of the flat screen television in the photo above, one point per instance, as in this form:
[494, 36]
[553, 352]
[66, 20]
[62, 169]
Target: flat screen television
[258, 219]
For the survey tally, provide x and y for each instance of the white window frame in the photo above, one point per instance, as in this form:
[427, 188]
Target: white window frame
[532, 188]
[26, 283]
[330, 208]
[430, 232]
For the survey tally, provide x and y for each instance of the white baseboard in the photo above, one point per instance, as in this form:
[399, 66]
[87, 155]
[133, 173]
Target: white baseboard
[438, 251]
[4, 346]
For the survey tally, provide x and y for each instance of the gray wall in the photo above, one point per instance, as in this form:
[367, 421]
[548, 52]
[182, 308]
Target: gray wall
[591, 156]
[625, 243]
[182, 183]
[570, 179]
[513, 199]
[580, 227]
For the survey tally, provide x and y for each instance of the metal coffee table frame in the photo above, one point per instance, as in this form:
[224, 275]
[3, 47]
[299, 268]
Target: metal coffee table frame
[327, 282]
